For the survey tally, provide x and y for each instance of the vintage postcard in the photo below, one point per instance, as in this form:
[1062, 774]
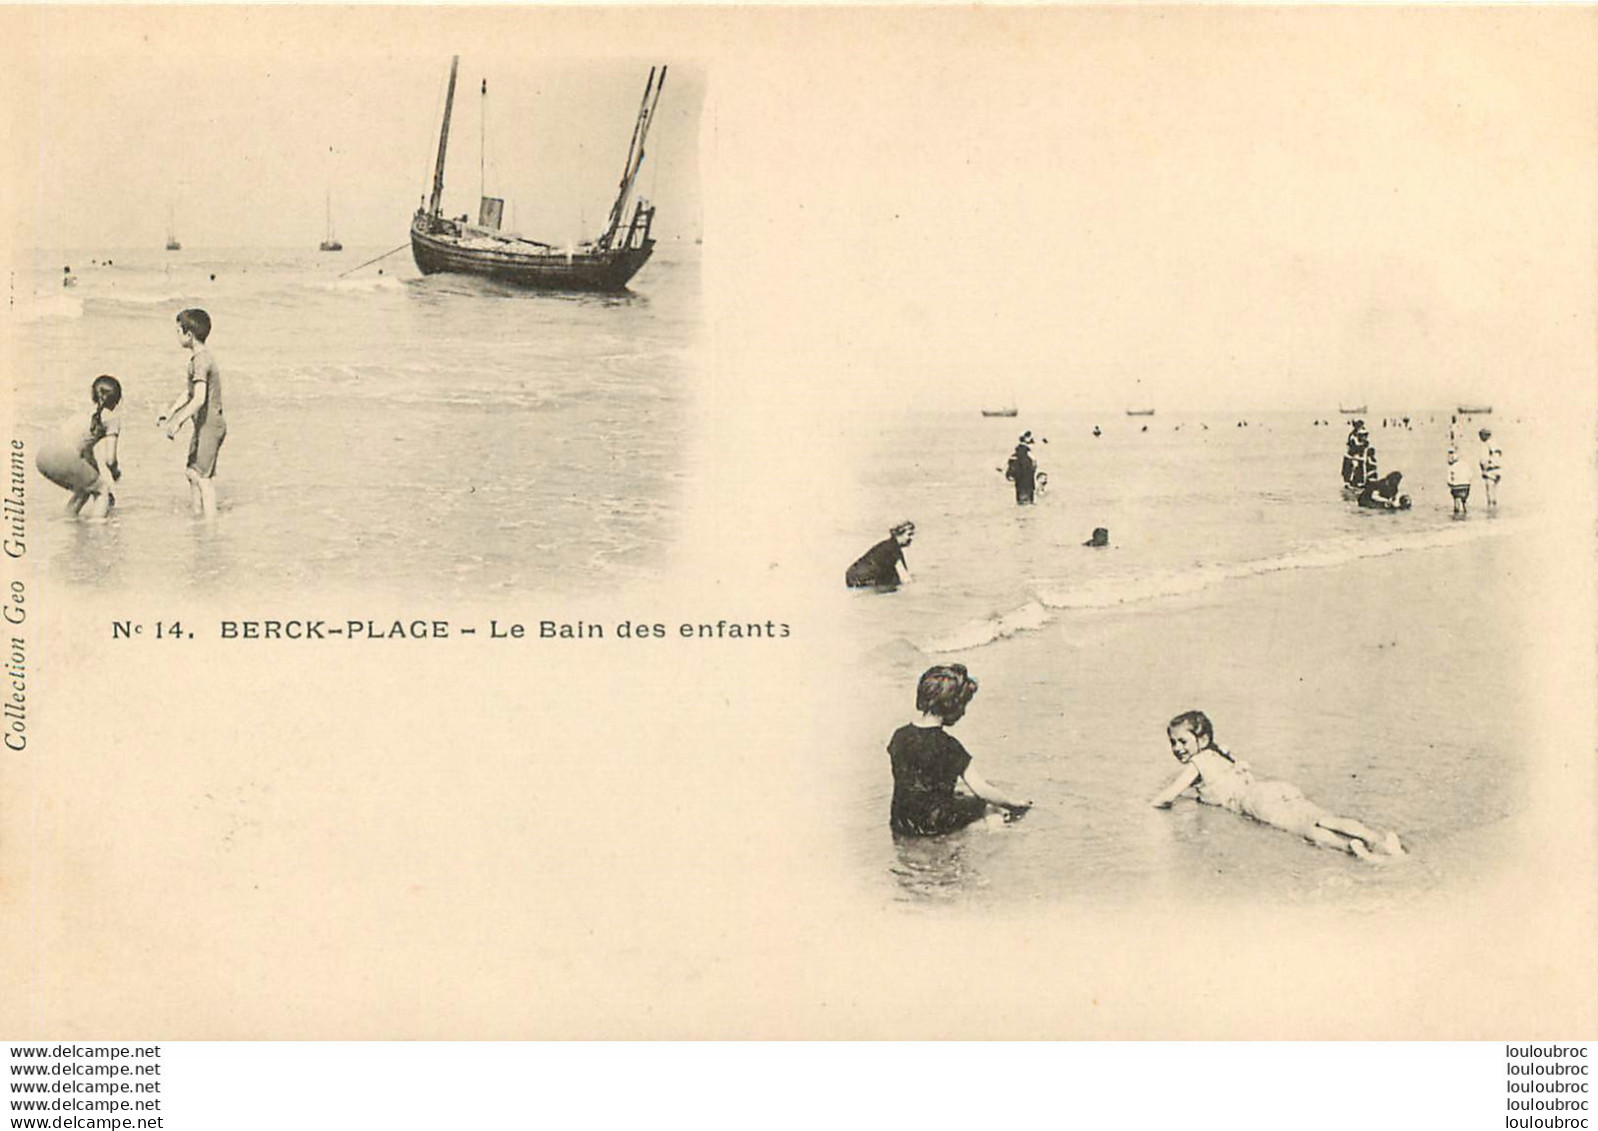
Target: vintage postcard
[760, 522]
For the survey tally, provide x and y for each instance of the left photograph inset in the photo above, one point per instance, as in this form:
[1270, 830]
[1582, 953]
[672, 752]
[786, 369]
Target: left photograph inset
[430, 324]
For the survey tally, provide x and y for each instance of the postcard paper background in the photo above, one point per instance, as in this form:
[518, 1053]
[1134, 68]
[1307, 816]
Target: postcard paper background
[524, 839]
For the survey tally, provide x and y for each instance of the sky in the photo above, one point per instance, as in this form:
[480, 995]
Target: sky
[243, 143]
[1063, 208]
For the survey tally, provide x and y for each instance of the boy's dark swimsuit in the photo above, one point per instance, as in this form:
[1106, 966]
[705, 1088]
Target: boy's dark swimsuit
[927, 762]
[878, 567]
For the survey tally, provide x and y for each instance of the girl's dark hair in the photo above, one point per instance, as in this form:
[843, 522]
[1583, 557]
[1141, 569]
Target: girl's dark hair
[107, 394]
[196, 322]
[944, 691]
[1197, 722]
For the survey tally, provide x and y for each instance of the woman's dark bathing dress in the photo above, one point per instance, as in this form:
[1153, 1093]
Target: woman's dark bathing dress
[927, 762]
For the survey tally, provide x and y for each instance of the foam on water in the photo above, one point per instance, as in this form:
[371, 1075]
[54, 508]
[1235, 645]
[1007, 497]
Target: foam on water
[1163, 585]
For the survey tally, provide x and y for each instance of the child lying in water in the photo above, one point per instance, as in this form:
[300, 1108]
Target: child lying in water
[1221, 780]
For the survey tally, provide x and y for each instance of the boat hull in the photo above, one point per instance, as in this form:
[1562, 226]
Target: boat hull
[542, 271]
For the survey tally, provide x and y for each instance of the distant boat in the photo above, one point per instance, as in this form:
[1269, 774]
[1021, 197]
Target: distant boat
[1352, 411]
[1475, 409]
[1140, 412]
[442, 244]
[331, 243]
[1011, 411]
[171, 233]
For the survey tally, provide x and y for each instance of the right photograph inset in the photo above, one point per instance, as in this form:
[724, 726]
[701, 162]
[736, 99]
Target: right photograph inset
[1208, 483]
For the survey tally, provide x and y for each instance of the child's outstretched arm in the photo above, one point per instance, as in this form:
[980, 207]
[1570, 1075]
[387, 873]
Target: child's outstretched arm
[979, 785]
[1184, 780]
[183, 408]
[182, 399]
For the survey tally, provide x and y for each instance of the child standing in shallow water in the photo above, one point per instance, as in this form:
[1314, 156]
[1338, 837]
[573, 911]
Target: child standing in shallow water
[1221, 780]
[1458, 482]
[83, 457]
[201, 400]
[928, 762]
[1492, 466]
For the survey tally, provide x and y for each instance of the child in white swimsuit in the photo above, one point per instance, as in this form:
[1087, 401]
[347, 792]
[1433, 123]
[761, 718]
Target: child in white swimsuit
[1219, 779]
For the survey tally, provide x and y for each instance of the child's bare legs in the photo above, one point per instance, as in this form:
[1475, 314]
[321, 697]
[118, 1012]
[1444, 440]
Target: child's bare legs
[1359, 831]
[202, 494]
[1337, 842]
[75, 503]
[96, 505]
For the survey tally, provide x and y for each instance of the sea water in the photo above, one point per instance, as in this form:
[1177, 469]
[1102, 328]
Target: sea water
[387, 432]
[1368, 657]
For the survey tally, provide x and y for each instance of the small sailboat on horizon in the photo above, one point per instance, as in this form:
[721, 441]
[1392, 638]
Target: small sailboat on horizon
[331, 243]
[172, 243]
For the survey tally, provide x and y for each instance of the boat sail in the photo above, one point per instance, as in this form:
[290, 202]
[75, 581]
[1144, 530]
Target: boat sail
[440, 244]
[331, 243]
[172, 231]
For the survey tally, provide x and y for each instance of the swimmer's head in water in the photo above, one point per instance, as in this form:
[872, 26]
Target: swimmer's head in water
[944, 691]
[1485, 433]
[1190, 732]
[195, 321]
[106, 391]
[903, 532]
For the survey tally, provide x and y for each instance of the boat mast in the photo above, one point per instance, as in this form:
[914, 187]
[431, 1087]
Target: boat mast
[482, 142]
[443, 140]
[635, 154]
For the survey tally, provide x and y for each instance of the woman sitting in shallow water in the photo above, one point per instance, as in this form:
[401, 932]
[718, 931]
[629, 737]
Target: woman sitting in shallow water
[1220, 779]
[928, 762]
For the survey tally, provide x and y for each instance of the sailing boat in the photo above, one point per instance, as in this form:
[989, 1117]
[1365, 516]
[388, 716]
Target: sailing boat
[606, 263]
[331, 243]
[171, 232]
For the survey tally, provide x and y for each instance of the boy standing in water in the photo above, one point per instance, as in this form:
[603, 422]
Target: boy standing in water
[1492, 461]
[201, 401]
[1458, 482]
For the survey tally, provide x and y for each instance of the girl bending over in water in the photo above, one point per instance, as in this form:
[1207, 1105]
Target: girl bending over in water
[82, 457]
[928, 762]
[1219, 779]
